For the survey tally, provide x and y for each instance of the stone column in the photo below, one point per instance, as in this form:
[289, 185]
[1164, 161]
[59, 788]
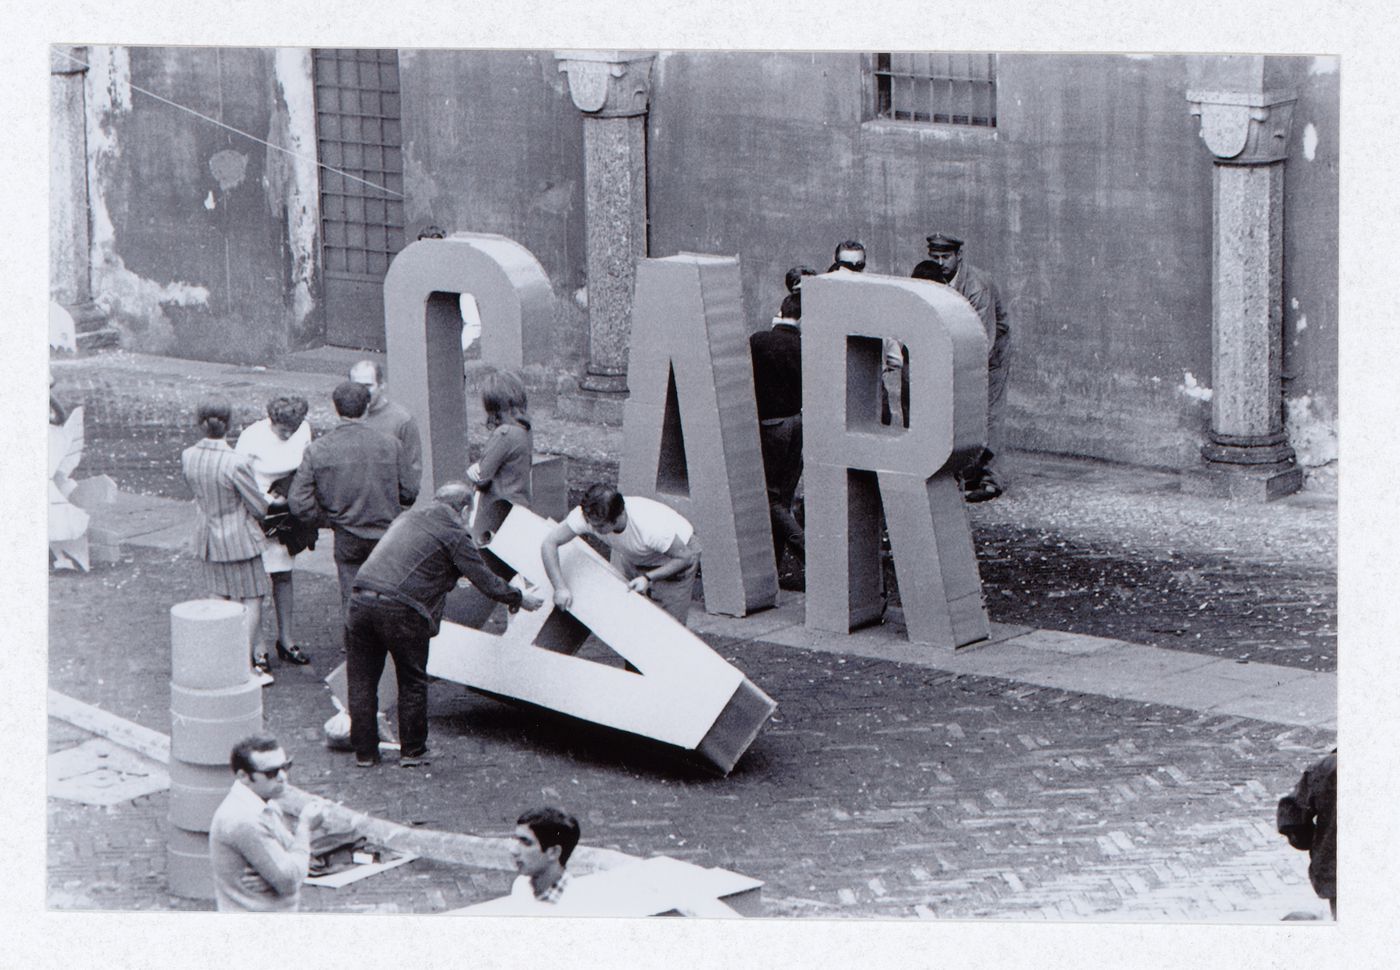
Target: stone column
[70, 283]
[1247, 454]
[612, 90]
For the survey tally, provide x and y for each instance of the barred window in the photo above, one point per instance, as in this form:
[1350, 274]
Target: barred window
[950, 89]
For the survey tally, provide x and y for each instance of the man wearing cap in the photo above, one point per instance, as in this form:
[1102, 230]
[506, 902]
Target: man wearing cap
[946, 265]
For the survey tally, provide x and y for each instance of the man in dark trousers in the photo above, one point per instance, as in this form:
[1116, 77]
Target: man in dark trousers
[355, 480]
[777, 379]
[1307, 817]
[396, 608]
[945, 264]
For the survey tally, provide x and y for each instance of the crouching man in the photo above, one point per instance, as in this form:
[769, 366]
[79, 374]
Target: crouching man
[654, 545]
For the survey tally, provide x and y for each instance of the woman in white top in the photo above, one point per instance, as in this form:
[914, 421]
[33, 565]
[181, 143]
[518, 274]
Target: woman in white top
[274, 446]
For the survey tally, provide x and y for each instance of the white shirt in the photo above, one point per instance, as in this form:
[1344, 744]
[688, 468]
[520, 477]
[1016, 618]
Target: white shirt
[271, 456]
[651, 530]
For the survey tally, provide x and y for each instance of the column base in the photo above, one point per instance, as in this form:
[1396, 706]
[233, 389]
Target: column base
[604, 383]
[1237, 449]
[1255, 483]
[595, 399]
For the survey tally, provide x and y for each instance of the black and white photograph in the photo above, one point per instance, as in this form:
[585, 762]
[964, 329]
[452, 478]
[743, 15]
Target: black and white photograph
[880, 486]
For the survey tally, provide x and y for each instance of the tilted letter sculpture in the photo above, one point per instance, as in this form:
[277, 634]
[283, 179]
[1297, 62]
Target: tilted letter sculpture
[690, 425]
[683, 693]
[854, 466]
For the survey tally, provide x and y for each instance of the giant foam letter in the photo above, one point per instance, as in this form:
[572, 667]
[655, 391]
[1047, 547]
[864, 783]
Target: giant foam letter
[423, 329]
[685, 695]
[853, 464]
[690, 425]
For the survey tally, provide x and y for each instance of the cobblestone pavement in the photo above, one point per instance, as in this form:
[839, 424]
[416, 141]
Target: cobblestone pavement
[881, 789]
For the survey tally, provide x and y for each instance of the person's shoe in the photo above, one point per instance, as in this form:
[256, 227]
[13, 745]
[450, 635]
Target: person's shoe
[983, 491]
[262, 670]
[366, 762]
[423, 757]
[292, 655]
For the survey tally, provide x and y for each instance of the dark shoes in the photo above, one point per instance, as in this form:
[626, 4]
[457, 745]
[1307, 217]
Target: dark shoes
[423, 757]
[262, 670]
[982, 491]
[292, 654]
[366, 762]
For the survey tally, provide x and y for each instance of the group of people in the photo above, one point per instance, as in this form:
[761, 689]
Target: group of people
[397, 558]
[259, 507]
[260, 858]
[777, 365]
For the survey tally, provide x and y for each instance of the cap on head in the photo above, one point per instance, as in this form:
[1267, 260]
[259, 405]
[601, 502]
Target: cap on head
[944, 243]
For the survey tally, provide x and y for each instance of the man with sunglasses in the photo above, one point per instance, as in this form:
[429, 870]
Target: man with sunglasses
[259, 863]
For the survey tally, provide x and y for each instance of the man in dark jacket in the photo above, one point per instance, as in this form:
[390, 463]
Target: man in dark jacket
[390, 417]
[355, 480]
[777, 379]
[945, 264]
[396, 608]
[1308, 818]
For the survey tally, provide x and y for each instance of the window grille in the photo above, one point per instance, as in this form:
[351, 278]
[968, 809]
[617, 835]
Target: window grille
[358, 129]
[950, 89]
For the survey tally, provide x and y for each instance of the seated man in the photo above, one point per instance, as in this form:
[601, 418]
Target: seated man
[655, 547]
[1307, 817]
[544, 840]
[259, 863]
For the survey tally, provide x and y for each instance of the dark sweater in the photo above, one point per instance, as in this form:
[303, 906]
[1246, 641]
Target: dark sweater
[777, 371]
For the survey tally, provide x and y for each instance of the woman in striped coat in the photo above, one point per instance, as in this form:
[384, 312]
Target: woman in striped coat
[227, 539]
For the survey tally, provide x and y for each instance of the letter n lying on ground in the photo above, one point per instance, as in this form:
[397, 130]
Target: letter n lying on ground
[855, 467]
[691, 425]
[685, 694]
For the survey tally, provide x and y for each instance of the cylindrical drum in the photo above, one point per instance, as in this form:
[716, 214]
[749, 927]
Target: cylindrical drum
[187, 869]
[206, 724]
[195, 793]
[208, 644]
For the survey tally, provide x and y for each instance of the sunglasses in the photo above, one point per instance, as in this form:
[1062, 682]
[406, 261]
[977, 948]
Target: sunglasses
[271, 773]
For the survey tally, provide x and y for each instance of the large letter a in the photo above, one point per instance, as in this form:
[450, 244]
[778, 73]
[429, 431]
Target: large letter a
[691, 425]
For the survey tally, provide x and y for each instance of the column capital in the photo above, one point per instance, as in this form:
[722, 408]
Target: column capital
[608, 84]
[1244, 127]
[66, 59]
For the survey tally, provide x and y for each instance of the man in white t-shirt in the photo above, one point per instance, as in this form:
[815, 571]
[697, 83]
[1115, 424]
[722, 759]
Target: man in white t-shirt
[654, 545]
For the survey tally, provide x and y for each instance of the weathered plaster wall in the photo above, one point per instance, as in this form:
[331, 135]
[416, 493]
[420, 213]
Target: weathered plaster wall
[492, 143]
[200, 246]
[1090, 204]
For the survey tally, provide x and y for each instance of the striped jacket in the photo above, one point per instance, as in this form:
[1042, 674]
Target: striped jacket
[228, 498]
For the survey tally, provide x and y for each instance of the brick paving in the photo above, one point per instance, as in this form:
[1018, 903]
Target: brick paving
[881, 788]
